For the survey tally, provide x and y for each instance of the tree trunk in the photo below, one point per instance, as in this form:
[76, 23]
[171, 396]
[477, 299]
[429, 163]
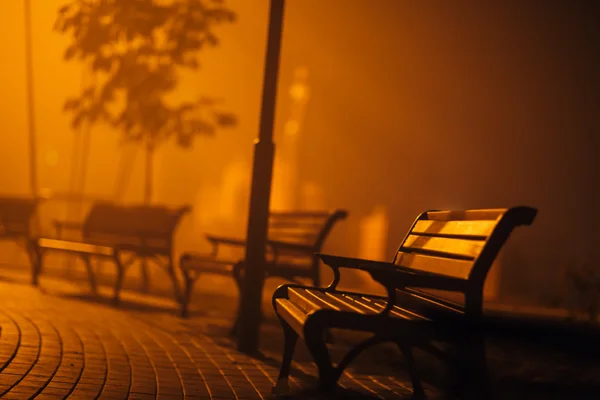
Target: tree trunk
[147, 199]
[149, 171]
[33, 178]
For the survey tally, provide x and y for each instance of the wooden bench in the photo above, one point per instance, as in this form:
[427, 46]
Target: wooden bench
[17, 216]
[445, 253]
[293, 239]
[114, 232]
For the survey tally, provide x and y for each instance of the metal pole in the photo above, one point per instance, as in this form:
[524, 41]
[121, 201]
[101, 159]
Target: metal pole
[33, 178]
[249, 313]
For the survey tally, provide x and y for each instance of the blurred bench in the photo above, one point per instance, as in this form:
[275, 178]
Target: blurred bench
[444, 253]
[113, 232]
[16, 220]
[293, 239]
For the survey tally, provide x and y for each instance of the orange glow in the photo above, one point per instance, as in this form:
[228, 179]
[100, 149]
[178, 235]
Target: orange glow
[407, 106]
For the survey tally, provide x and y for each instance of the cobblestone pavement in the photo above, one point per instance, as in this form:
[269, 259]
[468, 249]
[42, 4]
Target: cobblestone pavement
[57, 343]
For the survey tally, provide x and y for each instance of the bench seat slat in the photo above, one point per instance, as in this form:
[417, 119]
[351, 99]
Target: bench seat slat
[339, 302]
[308, 302]
[293, 315]
[209, 265]
[377, 305]
[75, 247]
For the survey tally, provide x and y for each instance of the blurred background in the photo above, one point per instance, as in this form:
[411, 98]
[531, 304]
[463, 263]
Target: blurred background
[386, 108]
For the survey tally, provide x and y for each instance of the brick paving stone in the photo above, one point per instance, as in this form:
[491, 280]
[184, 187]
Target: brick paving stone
[54, 347]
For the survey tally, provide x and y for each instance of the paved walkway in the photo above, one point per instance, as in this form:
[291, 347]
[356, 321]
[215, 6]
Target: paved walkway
[58, 342]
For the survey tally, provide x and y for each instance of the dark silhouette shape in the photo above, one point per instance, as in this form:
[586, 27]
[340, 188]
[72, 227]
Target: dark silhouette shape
[451, 251]
[115, 232]
[18, 221]
[293, 239]
[136, 48]
[260, 191]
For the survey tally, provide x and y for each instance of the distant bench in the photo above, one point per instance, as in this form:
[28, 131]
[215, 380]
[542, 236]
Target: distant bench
[113, 231]
[17, 215]
[293, 239]
[443, 252]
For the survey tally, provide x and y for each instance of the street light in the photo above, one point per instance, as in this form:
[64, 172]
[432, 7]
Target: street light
[264, 152]
[33, 176]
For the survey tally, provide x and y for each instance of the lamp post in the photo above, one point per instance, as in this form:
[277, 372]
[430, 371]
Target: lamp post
[33, 177]
[264, 151]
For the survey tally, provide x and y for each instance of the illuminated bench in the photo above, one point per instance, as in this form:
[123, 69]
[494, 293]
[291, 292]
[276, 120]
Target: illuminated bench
[114, 232]
[445, 253]
[293, 239]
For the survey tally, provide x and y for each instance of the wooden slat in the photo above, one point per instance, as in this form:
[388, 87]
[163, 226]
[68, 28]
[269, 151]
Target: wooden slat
[294, 316]
[131, 220]
[290, 222]
[483, 214]
[299, 214]
[436, 265]
[207, 264]
[340, 302]
[452, 247]
[307, 240]
[475, 228]
[363, 302]
[308, 302]
[75, 247]
[396, 311]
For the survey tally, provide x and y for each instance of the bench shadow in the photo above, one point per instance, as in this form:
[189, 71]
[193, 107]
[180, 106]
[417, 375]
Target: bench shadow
[313, 394]
[519, 389]
[123, 304]
[7, 279]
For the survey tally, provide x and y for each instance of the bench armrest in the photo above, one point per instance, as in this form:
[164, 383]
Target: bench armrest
[274, 246]
[226, 240]
[337, 262]
[278, 246]
[390, 275]
[355, 263]
[215, 241]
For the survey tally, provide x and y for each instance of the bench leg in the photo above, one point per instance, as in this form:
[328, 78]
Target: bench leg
[469, 377]
[355, 352]
[418, 392]
[189, 280]
[91, 275]
[175, 282]
[238, 273]
[145, 284]
[314, 334]
[477, 367]
[290, 340]
[119, 280]
[35, 258]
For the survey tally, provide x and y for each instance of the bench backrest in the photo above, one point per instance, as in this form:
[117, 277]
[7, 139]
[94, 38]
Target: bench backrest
[141, 228]
[308, 228]
[458, 244]
[16, 215]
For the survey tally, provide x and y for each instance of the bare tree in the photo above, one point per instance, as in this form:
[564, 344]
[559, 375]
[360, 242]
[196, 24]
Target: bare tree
[136, 48]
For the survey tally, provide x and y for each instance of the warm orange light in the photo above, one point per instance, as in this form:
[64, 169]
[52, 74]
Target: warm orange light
[51, 158]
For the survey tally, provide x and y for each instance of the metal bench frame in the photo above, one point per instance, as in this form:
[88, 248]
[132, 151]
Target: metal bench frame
[111, 232]
[449, 251]
[294, 238]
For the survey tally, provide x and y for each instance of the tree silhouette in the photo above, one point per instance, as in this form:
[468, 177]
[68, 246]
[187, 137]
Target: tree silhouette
[136, 49]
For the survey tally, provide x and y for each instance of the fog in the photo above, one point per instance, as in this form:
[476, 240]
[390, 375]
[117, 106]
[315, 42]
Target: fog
[411, 106]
